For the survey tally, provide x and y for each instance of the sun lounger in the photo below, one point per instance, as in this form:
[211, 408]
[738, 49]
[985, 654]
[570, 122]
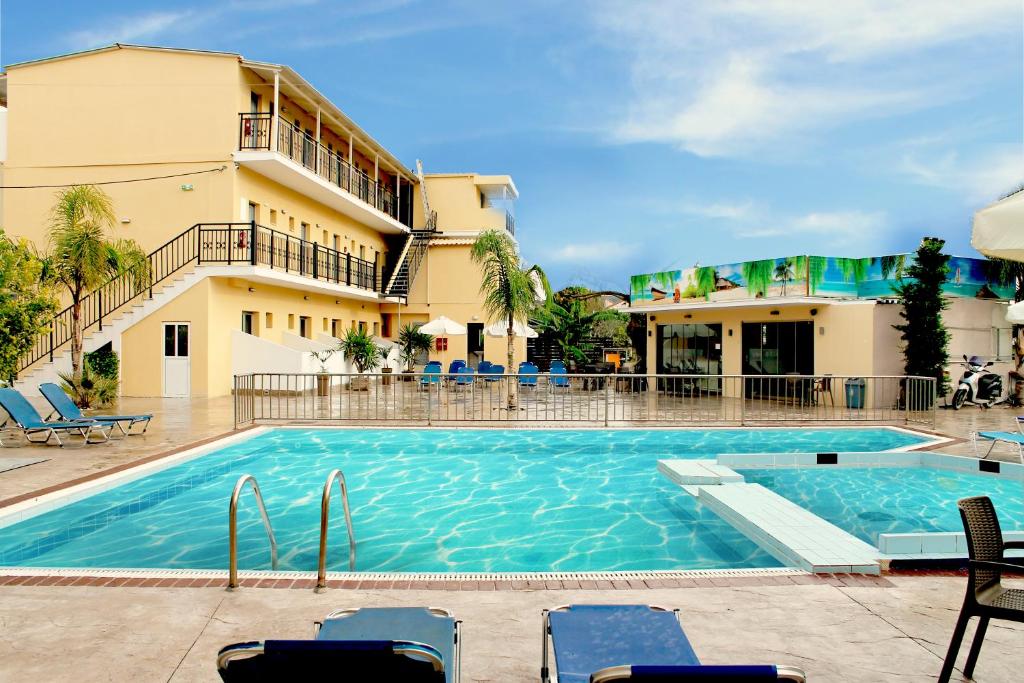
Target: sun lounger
[528, 375]
[1013, 438]
[431, 375]
[28, 420]
[598, 643]
[68, 411]
[464, 377]
[371, 644]
[495, 373]
[558, 378]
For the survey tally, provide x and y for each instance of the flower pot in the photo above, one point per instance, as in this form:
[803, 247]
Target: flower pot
[323, 384]
[386, 376]
[359, 383]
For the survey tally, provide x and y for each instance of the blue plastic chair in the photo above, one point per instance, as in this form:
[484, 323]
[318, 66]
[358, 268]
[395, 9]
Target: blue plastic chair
[431, 375]
[454, 366]
[558, 378]
[31, 423]
[495, 373]
[557, 364]
[372, 644]
[599, 643]
[464, 376]
[484, 366]
[66, 408]
[528, 375]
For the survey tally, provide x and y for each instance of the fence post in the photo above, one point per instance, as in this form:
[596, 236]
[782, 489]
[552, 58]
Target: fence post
[374, 286]
[252, 398]
[51, 344]
[743, 400]
[234, 400]
[316, 255]
[99, 301]
[199, 250]
[252, 242]
[429, 402]
[607, 387]
[348, 269]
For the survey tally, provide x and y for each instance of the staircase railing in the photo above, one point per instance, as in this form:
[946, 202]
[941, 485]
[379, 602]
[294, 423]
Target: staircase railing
[223, 243]
[412, 257]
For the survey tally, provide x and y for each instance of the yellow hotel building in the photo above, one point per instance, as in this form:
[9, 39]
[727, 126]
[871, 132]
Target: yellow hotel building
[294, 226]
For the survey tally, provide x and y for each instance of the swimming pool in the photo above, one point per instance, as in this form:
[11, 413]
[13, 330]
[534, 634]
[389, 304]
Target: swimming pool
[428, 500]
[868, 501]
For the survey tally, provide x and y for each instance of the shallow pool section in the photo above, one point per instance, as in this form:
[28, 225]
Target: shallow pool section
[427, 501]
[868, 501]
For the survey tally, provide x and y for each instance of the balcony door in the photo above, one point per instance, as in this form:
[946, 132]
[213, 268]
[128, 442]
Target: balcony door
[177, 361]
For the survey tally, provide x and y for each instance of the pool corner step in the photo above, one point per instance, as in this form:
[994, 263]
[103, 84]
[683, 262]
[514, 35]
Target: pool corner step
[698, 472]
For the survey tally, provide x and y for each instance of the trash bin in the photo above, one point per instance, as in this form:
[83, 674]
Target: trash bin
[855, 392]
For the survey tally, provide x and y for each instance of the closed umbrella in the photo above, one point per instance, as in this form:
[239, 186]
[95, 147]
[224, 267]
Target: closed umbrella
[443, 327]
[999, 229]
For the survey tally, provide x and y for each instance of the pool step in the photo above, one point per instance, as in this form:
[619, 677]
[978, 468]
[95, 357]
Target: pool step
[790, 533]
[694, 472]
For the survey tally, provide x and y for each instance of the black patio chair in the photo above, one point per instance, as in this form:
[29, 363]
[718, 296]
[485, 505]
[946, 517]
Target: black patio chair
[986, 597]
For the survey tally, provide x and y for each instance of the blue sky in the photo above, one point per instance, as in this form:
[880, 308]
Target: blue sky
[646, 136]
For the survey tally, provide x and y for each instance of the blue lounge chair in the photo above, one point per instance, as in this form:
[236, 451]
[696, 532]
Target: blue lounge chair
[464, 377]
[598, 643]
[528, 375]
[558, 378]
[484, 367]
[68, 411]
[1013, 438]
[495, 373]
[371, 644]
[557, 364]
[28, 420]
[431, 375]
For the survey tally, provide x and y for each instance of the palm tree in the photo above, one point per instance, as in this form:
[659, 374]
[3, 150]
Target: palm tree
[784, 272]
[413, 342]
[83, 257]
[570, 324]
[509, 289]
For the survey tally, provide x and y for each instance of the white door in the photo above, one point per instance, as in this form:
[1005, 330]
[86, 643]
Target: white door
[177, 364]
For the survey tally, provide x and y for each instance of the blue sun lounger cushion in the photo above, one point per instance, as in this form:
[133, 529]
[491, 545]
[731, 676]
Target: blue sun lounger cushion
[632, 642]
[369, 644]
[66, 408]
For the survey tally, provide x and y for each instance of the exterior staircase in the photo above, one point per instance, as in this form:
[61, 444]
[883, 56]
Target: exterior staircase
[408, 264]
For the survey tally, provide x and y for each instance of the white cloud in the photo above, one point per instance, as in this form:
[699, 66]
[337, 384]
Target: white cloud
[139, 27]
[591, 252]
[980, 179]
[840, 227]
[730, 77]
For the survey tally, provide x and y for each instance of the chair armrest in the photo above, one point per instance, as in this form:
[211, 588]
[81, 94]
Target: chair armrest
[1013, 545]
[996, 566]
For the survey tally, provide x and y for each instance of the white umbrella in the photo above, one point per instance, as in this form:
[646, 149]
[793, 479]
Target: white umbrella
[999, 229]
[518, 329]
[1015, 313]
[443, 327]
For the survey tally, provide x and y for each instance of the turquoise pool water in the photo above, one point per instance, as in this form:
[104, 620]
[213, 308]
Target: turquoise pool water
[427, 500]
[867, 501]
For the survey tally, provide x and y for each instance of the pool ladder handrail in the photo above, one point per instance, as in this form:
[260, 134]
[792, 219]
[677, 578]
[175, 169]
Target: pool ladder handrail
[233, 527]
[325, 508]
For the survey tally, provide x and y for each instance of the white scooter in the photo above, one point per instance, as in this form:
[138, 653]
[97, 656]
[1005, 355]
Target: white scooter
[977, 385]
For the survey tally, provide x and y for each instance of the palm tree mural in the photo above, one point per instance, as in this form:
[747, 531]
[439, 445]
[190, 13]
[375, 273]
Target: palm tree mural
[893, 265]
[758, 275]
[785, 271]
[854, 269]
[705, 281]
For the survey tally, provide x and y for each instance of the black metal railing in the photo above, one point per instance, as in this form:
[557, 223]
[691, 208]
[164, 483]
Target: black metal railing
[225, 243]
[510, 223]
[304, 149]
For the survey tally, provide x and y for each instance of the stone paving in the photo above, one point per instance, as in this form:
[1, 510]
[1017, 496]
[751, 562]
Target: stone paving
[838, 628]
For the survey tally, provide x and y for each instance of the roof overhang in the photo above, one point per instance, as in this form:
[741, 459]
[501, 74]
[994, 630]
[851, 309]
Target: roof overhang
[496, 186]
[771, 302]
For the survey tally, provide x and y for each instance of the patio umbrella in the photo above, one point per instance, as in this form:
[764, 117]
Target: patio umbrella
[999, 229]
[518, 329]
[443, 327]
[1015, 313]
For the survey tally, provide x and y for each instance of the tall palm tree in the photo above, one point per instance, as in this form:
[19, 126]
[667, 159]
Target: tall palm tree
[510, 290]
[83, 257]
[785, 272]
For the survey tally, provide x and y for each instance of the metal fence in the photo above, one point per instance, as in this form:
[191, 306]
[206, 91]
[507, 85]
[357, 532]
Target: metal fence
[585, 399]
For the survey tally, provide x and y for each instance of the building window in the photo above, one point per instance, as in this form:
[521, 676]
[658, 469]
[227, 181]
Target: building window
[783, 348]
[376, 329]
[385, 324]
[304, 234]
[254, 213]
[270, 320]
[362, 252]
[362, 326]
[249, 322]
[305, 326]
[690, 349]
[291, 321]
[273, 218]
[337, 328]
[325, 325]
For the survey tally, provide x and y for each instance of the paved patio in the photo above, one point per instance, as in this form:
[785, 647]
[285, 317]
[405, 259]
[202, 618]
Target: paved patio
[838, 628]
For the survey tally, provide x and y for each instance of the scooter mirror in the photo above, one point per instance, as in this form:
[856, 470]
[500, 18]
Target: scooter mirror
[989, 363]
[965, 356]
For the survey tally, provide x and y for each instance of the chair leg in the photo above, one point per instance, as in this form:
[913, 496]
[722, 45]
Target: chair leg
[954, 646]
[972, 656]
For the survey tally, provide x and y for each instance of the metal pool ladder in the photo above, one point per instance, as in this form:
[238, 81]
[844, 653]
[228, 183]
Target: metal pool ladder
[233, 527]
[325, 507]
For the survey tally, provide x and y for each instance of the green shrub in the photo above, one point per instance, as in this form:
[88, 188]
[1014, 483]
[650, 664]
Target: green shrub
[91, 390]
[104, 362]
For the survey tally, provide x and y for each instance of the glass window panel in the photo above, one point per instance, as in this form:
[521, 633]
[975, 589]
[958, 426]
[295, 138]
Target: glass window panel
[168, 340]
[182, 340]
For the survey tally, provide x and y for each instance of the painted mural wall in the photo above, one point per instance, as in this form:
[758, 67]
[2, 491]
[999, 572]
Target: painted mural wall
[797, 276]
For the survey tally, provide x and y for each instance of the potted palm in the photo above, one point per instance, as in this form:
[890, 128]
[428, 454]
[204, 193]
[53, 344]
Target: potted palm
[364, 353]
[323, 378]
[413, 342]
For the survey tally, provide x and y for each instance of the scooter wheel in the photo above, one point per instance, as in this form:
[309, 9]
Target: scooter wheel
[959, 398]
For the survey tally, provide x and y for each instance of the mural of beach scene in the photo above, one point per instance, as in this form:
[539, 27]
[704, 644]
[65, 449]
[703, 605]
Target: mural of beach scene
[799, 276]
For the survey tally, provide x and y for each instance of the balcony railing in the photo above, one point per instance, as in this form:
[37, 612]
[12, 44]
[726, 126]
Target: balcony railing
[242, 243]
[510, 223]
[255, 133]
